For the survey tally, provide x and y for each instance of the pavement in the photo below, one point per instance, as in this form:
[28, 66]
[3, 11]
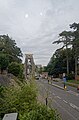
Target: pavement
[60, 85]
[65, 101]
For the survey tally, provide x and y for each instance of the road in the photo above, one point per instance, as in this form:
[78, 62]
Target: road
[65, 101]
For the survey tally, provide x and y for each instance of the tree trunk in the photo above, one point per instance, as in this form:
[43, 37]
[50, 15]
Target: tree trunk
[75, 67]
[67, 58]
[67, 64]
[1, 71]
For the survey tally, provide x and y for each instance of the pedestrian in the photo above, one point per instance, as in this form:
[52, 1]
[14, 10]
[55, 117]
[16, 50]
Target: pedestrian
[48, 80]
[51, 79]
[64, 80]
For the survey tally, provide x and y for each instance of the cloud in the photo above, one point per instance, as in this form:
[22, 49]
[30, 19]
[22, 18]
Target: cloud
[46, 19]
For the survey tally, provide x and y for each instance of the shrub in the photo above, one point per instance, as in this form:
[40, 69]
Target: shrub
[14, 68]
[23, 100]
[17, 99]
[70, 76]
[4, 61]
[40, 112]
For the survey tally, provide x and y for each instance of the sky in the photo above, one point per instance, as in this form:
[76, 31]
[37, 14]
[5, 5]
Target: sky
[35, 24]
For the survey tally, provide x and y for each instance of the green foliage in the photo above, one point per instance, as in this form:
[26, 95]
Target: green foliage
[17, 99]
[41, 112]
[16, 69]
[8, 46]
[57, 64]
[4, 61]
[1, 91]
[65, 37]
[65, 59]
[21, 73]
[70, 76]
[23, 100]
[9, 52]
[40, 70]
[73, 81]
[75, 34]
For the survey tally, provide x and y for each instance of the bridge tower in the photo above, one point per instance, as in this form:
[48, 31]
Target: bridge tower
[29, 66]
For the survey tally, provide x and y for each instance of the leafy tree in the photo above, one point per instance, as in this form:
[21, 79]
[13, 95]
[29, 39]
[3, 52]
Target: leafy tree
[9, 52]
[8, 46]
[21, 75]
[65, 37]
[14, 68]
[75, 43]
[4, 61]
[57, 63]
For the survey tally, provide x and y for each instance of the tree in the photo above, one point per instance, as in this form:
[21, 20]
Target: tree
[75, 43]
[8, 46]
[65, 37]
[14, 68]
[57, 63]
[4, 61]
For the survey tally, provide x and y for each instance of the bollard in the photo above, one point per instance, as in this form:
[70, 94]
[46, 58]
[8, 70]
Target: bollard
[46, 102]
[78, 88]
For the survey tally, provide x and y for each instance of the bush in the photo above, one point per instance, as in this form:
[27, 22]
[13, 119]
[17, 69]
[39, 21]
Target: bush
[70, 76]
[40, 112]
[21, 73]
[23, 100]
[14, 68]
[17, 99]
[4, 61]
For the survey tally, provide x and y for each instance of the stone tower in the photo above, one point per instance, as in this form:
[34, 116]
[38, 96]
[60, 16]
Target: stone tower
[29, 66]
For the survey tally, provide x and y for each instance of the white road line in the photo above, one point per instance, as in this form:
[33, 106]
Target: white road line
[77, 108]
[58, 97]
[53, 93]
[65, 110]
[65, 101]
[74, 106]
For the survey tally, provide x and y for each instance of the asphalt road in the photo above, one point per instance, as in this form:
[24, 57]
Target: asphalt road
[65, 101]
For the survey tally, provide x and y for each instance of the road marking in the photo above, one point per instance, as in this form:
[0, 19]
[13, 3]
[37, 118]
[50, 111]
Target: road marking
[53, 93]
[74, 106]
[77, 108]
[58, 97]
[65, 110]
[72, 92]
[58, 86]
[65, 101]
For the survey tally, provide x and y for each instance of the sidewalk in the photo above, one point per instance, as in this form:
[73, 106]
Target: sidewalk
[60, 85]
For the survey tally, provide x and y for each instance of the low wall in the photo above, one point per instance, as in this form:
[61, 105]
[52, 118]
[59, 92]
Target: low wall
[77, 77]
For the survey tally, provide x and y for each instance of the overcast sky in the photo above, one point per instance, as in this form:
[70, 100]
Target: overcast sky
[35, 24]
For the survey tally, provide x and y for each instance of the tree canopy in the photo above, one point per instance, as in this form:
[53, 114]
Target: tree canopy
[9, 52]
[65, 59]
[4, 62]
[8, 46]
